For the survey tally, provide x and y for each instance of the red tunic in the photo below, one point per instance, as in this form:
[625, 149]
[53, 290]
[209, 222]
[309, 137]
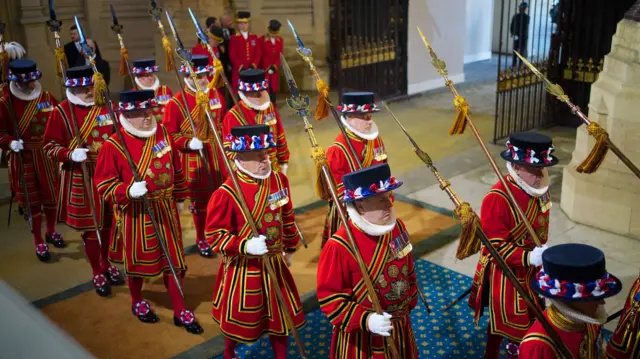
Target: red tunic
[625, 341]
[344, 299]
[243, 54]
[143, 255]
[582, 340]
[95, 127]
[342, 162]
[270, 116]
[202, 49]
[177, 123]
[40, 172]
[271, 59]
[508, 311]
[243, 305]
[163, 95]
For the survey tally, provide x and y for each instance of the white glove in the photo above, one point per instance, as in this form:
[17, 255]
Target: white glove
[138, 189]
[284, 168]
[380, 324]
[535, 256]
[257, 246]
[288, 258]
[16, 146]
[516, 37]
[180, 207]
[195, 144]
[79, 154]
[270, 72]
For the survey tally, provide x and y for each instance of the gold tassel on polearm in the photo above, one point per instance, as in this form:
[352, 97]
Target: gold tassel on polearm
[217, 80]
[124, 59]
[322, 108]
[320, 159]
[598, 152]
[168, 53]
[460, 123]
[60, 58]
[469, 241]
[99, 87]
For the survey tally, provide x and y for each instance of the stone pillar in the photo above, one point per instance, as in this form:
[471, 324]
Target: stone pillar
[610, 198]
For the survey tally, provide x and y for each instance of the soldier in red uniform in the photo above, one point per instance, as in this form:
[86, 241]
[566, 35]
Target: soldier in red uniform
[248, 309]
[162, 183]
[60, 145]
[272, 46]
[244, 48]
[575, 282]
[256, 108]
[146, 79]
[384, 244]
[177, 123]
[527, 155]
[625, 341]
[357, 111]
[215, 40]
[31, 106]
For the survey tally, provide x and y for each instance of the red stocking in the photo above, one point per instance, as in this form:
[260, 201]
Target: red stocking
[135, 288]
[51, 217]
[229, 348]
[93, 252]
[279, 345]
[176, 298]
[36, 223]
[104, 250]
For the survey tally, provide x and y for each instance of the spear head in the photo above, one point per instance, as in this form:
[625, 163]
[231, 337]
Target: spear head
[180, 50]
[201, 34]
[554, 89]
[116, 27]
[297, 102]
[83, 41]
[301, 49]
[53, 22]
[155, 11]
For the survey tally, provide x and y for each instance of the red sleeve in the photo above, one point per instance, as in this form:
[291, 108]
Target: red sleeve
[282, 150]
[235, 53]
[413, 282]
[172, 120]
[277, 60]
[536, 349]
[335, 289]
[290, 235]
[6, 125]
[228, 123]
[180, 188]
[56, 139]
[257, 54]
[220, 229]
[497, 221]
[108, 175]
[338, 166]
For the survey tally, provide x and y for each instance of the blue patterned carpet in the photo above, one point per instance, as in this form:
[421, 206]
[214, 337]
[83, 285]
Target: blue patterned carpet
[451, 334]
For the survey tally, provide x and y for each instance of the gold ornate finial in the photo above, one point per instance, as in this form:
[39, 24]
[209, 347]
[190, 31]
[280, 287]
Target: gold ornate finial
[552, 88]
[438, 64]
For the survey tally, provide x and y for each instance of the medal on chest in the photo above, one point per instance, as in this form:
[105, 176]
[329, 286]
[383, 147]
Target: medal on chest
[394, 284]
[379, 154]
[161, 148]
[268, 118]
[401, 245]
[45, 106]
[163, 99]
[545, 202]
[161, 171]
[214, 104]
[278, 199]
[104, 120]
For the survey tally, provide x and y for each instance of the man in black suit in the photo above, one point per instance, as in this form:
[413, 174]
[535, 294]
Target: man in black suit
[72, 48]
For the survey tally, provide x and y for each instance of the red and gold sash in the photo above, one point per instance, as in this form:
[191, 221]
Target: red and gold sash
[87, 126]
[29, 111]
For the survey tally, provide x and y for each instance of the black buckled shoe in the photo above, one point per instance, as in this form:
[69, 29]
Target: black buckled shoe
[55, 238]
[188, 320]
[42, 252]
[113, 275]
[204, 250]
[142, 311]
[101, 285]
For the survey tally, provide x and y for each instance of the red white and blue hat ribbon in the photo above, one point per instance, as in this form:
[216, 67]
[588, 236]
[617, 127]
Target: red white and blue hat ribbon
[78, 82]
[353, 108]
[24, 77]
[373, 189]
[251, 143]
[145, 70]
[138, 105]
[198, 69]
[555, 288]
[529, 155]
[253, 86]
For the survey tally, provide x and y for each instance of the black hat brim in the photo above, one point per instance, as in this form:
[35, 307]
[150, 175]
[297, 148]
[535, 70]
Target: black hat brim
[612, 292]
[554, 161]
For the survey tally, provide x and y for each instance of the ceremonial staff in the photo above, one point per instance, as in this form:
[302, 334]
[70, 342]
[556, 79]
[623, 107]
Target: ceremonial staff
[467, 215]
[54, 26]
[300, 104]
[185, 56]
[16, 135]
[156, 14]
[219, 71]
[323, 97]
[603, 142]
[104, 94]
[125, 67]
[458, 128]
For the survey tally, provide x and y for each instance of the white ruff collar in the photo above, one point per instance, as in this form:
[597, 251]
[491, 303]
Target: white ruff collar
[577, 317]
[138, 133]
[251, 174]
[206, 89]
[368, 227]
[252, 105]
[77, 101]
[366, 136]
[533, 192]
[153, 87]
[15, 91]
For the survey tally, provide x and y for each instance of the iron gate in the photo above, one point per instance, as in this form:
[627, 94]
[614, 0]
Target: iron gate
[369, 46]
[521, 102]
[585, 30]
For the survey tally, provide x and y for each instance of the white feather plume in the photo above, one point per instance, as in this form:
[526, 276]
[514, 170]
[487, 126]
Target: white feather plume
[14, 50]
